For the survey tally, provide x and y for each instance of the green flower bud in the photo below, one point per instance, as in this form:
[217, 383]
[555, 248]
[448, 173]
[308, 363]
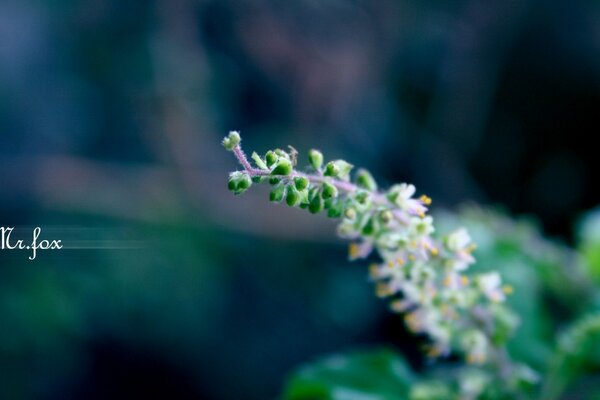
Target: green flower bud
[271, 158]
[362, 198]
[293, 197]
[283, 167]
[245, 182]
[301, 182]
[350, 213]
[274, 181]
[315, 158]
[335, 210]
[231, 184]
[329, 191]
[338, 169]
[231, 140]
[239, 182]
[369, 227]
[316, 205]
[386, 216]
[303, 196]
[331, 169]
[282, 153]
[365, 180]
[277, 194]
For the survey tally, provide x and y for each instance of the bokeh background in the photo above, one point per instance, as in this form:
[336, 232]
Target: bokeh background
[111, 116]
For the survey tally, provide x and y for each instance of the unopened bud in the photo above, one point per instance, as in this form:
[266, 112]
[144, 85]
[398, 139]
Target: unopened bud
[315, 158]
[316, 203]
[335, 210]
[369, 227]
[301, 182]
[277, 194]
[329, 191]
[293, 197]
[231, 140]
[283, 167]
[350, 213]
[386, 216]
[338, 169]
[365, 180]
[239, 182]
[362, 198]
[270, 158]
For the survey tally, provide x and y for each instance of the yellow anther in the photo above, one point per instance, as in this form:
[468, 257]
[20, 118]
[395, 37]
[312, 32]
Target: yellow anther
[421, 214]
[475, 359]
[382, 290]
[412, 257]
[471, 248]
[412, 322]
[390, 263]
[397, 306]
[400, 261]
[426, 200]
[508, 289]
[447, 281]
[434, 251]
[434, 351]
[353, 250]
[373, 270]
[413, 244]
[464, 280]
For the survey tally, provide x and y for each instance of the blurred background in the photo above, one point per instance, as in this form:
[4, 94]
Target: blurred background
[111, 116]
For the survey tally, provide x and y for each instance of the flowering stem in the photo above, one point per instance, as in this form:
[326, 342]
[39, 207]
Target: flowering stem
[347, 187]
[241, 157]
[423, 275]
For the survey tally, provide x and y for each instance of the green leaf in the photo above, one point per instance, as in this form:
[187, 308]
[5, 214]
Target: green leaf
[360, 375]
[588, 233]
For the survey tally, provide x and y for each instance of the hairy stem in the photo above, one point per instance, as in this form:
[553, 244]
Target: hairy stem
[347, 187]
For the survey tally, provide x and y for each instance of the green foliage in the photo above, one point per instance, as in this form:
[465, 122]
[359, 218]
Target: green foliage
[374, 375]
[577, 353]
[589, 242]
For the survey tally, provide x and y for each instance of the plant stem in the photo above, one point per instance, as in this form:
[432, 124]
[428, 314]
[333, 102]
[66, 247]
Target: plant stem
[347, 187]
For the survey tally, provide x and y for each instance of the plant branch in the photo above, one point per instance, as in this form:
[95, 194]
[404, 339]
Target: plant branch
[347, 187]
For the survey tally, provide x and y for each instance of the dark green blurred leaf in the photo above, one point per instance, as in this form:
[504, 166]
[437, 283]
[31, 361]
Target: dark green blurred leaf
[588, 235]
[368, 375]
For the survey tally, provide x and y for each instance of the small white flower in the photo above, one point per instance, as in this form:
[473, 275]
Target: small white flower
[420, 227]
[392, 241]
[459, 240]
[359, 250]
[406, 191]
[490, 284]
[402, 196]
[476, 346]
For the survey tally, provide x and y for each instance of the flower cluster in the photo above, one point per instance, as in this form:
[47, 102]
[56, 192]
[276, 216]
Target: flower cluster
[425, 277]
